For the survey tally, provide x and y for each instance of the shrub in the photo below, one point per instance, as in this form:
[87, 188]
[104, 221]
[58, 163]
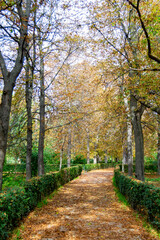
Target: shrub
[89, 167]
[18, 202]
[14, 168]
[151, 168]
[79, 159]
[147, 167]
[141, 196]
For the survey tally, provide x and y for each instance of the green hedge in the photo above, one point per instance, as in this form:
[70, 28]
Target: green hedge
[147, 168]
[21, 168]
[14, 168]
[141, 196]
[89, 167]
[18, 202]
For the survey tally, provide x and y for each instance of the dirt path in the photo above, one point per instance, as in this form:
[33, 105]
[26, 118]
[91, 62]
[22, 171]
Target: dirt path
[84, 209]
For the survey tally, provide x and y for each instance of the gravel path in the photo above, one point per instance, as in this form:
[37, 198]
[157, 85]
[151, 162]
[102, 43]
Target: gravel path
[84, 209]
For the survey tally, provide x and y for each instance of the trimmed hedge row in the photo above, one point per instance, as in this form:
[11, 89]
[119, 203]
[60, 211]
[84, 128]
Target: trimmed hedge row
[21, 168]
[147, 168]
[141, 196]
[14, 168]
[18, 202]
[89, 167]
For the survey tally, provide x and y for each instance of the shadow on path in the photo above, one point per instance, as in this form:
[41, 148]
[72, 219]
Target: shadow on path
[84, 209]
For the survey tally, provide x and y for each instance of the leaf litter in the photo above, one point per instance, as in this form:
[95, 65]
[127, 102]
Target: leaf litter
[85, 208]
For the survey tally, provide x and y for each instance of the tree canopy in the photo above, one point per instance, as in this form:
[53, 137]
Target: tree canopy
[80, 78]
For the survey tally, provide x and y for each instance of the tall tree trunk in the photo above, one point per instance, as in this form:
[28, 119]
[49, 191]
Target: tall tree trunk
[95, 159]
[129, 147]
[129, 138]
[98, 158]
[88, 148]
[136, 114]
[125, 156]
[42, 115]
[69, 147]
[61, 151]
[158, 154]
[61, 158]
[5, 109]
[129, 133]
[106, 157]
[29, 92]
[29, 122]
[9, 79]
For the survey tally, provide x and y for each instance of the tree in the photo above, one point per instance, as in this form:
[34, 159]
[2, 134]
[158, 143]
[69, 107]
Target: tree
[30, 70]
[22, 11]
[129, 55]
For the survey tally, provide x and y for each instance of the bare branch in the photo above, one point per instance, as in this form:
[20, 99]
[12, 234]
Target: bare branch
[146, 69]
[69, 54]
[110, 42]
[156, 59]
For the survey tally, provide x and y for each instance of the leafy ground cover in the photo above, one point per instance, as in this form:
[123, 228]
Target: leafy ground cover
[86, 208]
[11, 180]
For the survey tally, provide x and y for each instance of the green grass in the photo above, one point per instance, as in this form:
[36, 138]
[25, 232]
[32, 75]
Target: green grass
[42, 203]
[16, 235]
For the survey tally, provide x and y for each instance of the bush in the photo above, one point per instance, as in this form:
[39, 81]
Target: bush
[18, 202]
[141, 196]
[149, 168]
[79, 159]
[14, 168]
[89, 167]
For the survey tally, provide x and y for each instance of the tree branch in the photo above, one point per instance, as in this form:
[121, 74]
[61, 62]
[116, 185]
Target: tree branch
[3, 67]
[146, 104]
[110, 42]
[156, 59]
[69, 54]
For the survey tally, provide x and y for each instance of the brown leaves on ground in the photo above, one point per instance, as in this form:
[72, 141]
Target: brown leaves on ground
[84, 209]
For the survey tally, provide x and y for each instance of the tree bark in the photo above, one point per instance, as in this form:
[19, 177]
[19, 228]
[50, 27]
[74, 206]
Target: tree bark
[5, 109]
[69, 147]
[136, 114]
[42, 115]
[95, 159]
[29, 122]
[129, 138]
[125, 156]
[158, 154]
[61, 159]
[129, 148]
[88, 148]
[29, 92]
[61, 151]
[106, 157]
